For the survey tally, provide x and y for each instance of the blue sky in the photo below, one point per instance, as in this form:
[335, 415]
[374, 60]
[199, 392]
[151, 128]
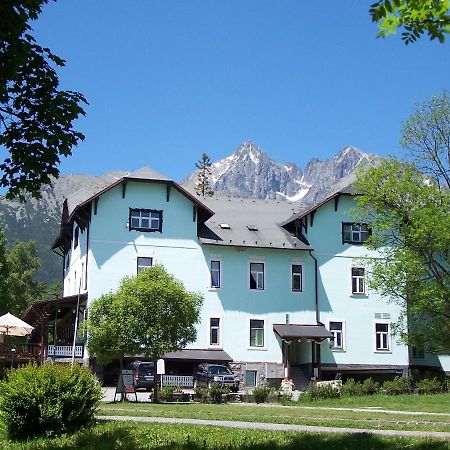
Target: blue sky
[167, 80]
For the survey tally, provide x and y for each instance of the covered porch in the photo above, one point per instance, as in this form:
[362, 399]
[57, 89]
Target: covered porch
[301, 344]
[57, 322]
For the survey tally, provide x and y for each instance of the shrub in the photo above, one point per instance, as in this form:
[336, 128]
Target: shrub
[322, 392]
[48, 399]
[216, 392]
[351, 388]
[166, 393]
[427, 386]
[261, 394]
[399, 385]
[201, 393]
[370, 387]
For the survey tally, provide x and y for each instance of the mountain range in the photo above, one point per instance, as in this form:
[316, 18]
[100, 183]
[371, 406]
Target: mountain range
[247, 172]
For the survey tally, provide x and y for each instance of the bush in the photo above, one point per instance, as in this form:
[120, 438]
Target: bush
[48, 400]
[322, 392]
[399, 385]
[202, 394]
[351, 388]
[261, 394]
[216, 392]
[370, 387]
[427, 386]
[166, 393]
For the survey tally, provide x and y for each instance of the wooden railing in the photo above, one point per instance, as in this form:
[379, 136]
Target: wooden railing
[65, 351]
[20, 352]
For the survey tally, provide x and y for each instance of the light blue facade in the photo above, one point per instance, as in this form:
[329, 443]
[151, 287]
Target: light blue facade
[358, 312]
[108, 250]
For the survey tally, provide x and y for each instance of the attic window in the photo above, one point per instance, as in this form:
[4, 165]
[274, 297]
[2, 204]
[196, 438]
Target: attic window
[224, 226]
[252, 227]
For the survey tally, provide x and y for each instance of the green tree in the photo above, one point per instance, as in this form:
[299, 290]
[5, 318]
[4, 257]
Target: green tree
[408, 205]
[150, 314]
[18, 266]
[35, 116]
[414, 17]
[203, 186]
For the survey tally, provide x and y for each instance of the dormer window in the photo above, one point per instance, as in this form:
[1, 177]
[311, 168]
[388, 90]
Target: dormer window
[145, 220]
[355, 233]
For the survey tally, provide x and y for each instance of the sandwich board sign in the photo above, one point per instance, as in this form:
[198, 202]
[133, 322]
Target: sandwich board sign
[125, 384]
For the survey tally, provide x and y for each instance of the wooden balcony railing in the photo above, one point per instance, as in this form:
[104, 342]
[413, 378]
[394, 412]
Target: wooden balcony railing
[20, 352]
[65, 351]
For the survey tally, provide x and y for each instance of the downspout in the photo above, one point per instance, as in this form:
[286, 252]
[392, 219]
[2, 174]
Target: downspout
[316, 346]
[316, 283]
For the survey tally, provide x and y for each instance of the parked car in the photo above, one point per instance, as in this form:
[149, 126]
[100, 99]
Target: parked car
[207, 374]
[143, 374]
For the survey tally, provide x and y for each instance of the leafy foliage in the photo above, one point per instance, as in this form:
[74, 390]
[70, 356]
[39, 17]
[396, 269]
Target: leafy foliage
[216, 393]
[203, 186]
[323, 391]
[166, 394]
[408, 206]
[48, 400]
[427, 386]
[415, 17]
[399, 385]
[18, 266]
[35, 116]
[262, 393]
[367, 387]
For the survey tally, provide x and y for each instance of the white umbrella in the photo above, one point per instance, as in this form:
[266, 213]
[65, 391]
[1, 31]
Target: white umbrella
[13, 326]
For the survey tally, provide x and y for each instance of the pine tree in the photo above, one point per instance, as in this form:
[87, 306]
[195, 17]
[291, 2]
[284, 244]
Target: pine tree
[203, 186]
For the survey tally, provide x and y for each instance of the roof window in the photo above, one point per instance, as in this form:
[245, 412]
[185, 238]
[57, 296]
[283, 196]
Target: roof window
[224, 226]
[252, 227]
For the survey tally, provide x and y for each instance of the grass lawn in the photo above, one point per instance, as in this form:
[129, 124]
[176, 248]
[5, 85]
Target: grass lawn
[287, 415]
[428, 403]
[130, 436]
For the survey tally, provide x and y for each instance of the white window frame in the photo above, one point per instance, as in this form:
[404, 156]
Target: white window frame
[153, 215]
[211, 260]
[265, 336]
[359, 279]
[302, 276]
[343, 347]
[219, 334]
[263, 276]
[355, 230]
[389, 336]
[144, 267]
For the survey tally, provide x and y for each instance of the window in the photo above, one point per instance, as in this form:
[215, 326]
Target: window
[250, 378]
[143, 263]
[297, 277]
[76, 236]
[257, 276]
[336, 329]
[256, 333]
[145, 220]
[215, 274]
[355, 233]
[214, 331]
[382, 337]
[358, 282]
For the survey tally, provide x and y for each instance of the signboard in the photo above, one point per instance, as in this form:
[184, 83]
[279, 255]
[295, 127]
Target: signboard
[125, 384]
[160, 367]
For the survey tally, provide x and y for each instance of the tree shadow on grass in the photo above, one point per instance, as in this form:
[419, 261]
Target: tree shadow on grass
[177, 437]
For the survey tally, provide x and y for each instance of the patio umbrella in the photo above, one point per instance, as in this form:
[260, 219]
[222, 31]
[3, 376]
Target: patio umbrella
[13, 326]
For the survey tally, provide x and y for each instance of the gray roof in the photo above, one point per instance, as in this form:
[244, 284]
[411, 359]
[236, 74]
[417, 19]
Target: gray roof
[200, 355]
[265, 215]
[295, 331]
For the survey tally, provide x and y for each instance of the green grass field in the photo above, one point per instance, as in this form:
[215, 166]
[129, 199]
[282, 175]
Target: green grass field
[112, 436]
[286, 415]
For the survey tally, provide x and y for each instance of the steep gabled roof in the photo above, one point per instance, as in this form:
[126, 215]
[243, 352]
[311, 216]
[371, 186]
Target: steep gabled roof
[78, 206]
[347, 190]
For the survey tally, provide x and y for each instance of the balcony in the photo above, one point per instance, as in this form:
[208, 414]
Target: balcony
[65, 351]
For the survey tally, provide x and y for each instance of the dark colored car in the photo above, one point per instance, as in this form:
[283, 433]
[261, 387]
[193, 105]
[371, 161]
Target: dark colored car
[143, 374]
[207, 374]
